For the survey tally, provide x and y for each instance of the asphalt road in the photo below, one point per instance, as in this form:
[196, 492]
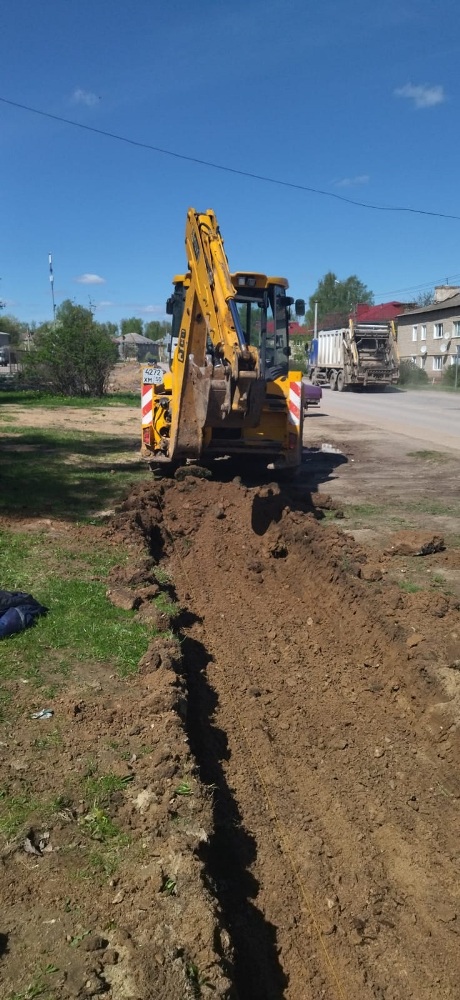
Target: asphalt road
[431, 417]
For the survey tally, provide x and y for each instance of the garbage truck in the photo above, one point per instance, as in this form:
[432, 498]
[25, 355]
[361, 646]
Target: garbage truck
[361, 355]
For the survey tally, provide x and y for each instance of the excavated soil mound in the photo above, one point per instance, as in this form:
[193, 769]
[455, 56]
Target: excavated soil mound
[322, 707]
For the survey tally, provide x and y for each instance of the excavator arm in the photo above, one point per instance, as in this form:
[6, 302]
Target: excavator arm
[211, 286]
[213, 369]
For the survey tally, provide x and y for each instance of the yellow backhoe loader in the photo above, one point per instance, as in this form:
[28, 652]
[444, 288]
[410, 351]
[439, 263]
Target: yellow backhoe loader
[229, 390]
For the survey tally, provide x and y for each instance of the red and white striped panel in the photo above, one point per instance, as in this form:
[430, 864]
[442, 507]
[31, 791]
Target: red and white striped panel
[295, 402]
[147, 396]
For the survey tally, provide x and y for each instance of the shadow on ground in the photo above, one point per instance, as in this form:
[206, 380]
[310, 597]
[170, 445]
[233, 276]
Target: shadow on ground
[232, 849]
[64, 475]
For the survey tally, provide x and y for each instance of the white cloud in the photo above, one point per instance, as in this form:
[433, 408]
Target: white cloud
[352, 181]
[90, 279]
[104, 304]
[80, 96]
[422, 95]
[154, 310]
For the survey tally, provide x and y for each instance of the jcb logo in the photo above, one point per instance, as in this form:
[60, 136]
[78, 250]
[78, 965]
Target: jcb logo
[180, 347]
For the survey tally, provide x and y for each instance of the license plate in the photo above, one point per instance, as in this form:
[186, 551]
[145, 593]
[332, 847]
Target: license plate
[153, 376]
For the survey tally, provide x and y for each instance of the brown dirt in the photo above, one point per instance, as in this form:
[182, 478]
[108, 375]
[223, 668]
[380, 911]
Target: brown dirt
[325, 711]
[314, 710]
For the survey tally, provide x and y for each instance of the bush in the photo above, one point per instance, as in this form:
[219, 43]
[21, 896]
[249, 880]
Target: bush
[448, 376]
[296, 365]
[74, 355]
[411, 374]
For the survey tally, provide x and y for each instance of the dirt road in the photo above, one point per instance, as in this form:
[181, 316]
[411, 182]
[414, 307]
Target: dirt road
[430, 417]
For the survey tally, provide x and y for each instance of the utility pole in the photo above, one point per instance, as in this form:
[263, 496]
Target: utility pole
[50, 259]
[315, 328]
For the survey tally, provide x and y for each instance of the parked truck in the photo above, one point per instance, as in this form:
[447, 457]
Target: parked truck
[361, 355]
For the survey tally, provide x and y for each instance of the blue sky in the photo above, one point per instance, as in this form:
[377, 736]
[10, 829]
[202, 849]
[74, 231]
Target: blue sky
[356, 99]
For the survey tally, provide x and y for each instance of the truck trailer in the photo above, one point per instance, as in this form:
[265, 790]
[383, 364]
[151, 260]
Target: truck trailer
[361, 355]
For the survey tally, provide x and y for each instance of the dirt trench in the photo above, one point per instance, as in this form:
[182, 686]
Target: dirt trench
[323, 710]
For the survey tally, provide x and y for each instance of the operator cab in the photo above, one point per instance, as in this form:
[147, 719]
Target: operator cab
[264, 312]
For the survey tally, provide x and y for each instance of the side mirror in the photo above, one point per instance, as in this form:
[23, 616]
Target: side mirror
[169, 306]
[300, 307]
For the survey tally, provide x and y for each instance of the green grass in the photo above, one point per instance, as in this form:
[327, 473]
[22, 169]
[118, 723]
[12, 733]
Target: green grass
[100, 826]
[37, 988]
[100, 789]
[363, 510]
[82, 626]
[15, 810]
[166, 606]
[48, 742]
[439, 386]
[409, 587]
[70, 474]
[433, 507]
[161, 575]
[35, 397]
[429, 456]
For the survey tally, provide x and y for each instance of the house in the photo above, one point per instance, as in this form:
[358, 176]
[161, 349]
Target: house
[134, 345]
[430, 335]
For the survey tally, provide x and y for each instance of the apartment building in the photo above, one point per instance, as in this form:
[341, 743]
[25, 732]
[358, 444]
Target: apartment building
[430, 335]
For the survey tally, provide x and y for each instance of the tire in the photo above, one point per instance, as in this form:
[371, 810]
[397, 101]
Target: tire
[333, 381]
[340, 382]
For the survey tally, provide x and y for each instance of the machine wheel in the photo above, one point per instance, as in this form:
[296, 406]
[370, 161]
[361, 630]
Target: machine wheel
[340, 382]
[333, 380]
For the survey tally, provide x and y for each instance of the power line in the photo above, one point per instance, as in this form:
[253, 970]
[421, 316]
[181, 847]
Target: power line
[417, 288]
[229, 170]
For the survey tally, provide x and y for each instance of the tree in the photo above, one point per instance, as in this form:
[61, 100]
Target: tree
[74, 355]
[111, 329]
[131, 325]
[424, 299]
[334, 296]
[13, 326]
[156, 330]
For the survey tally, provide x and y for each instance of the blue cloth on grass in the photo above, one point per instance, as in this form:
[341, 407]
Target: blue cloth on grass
[18, 611]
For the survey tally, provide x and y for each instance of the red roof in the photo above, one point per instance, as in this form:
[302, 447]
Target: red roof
[295, 329]
[375, 314]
